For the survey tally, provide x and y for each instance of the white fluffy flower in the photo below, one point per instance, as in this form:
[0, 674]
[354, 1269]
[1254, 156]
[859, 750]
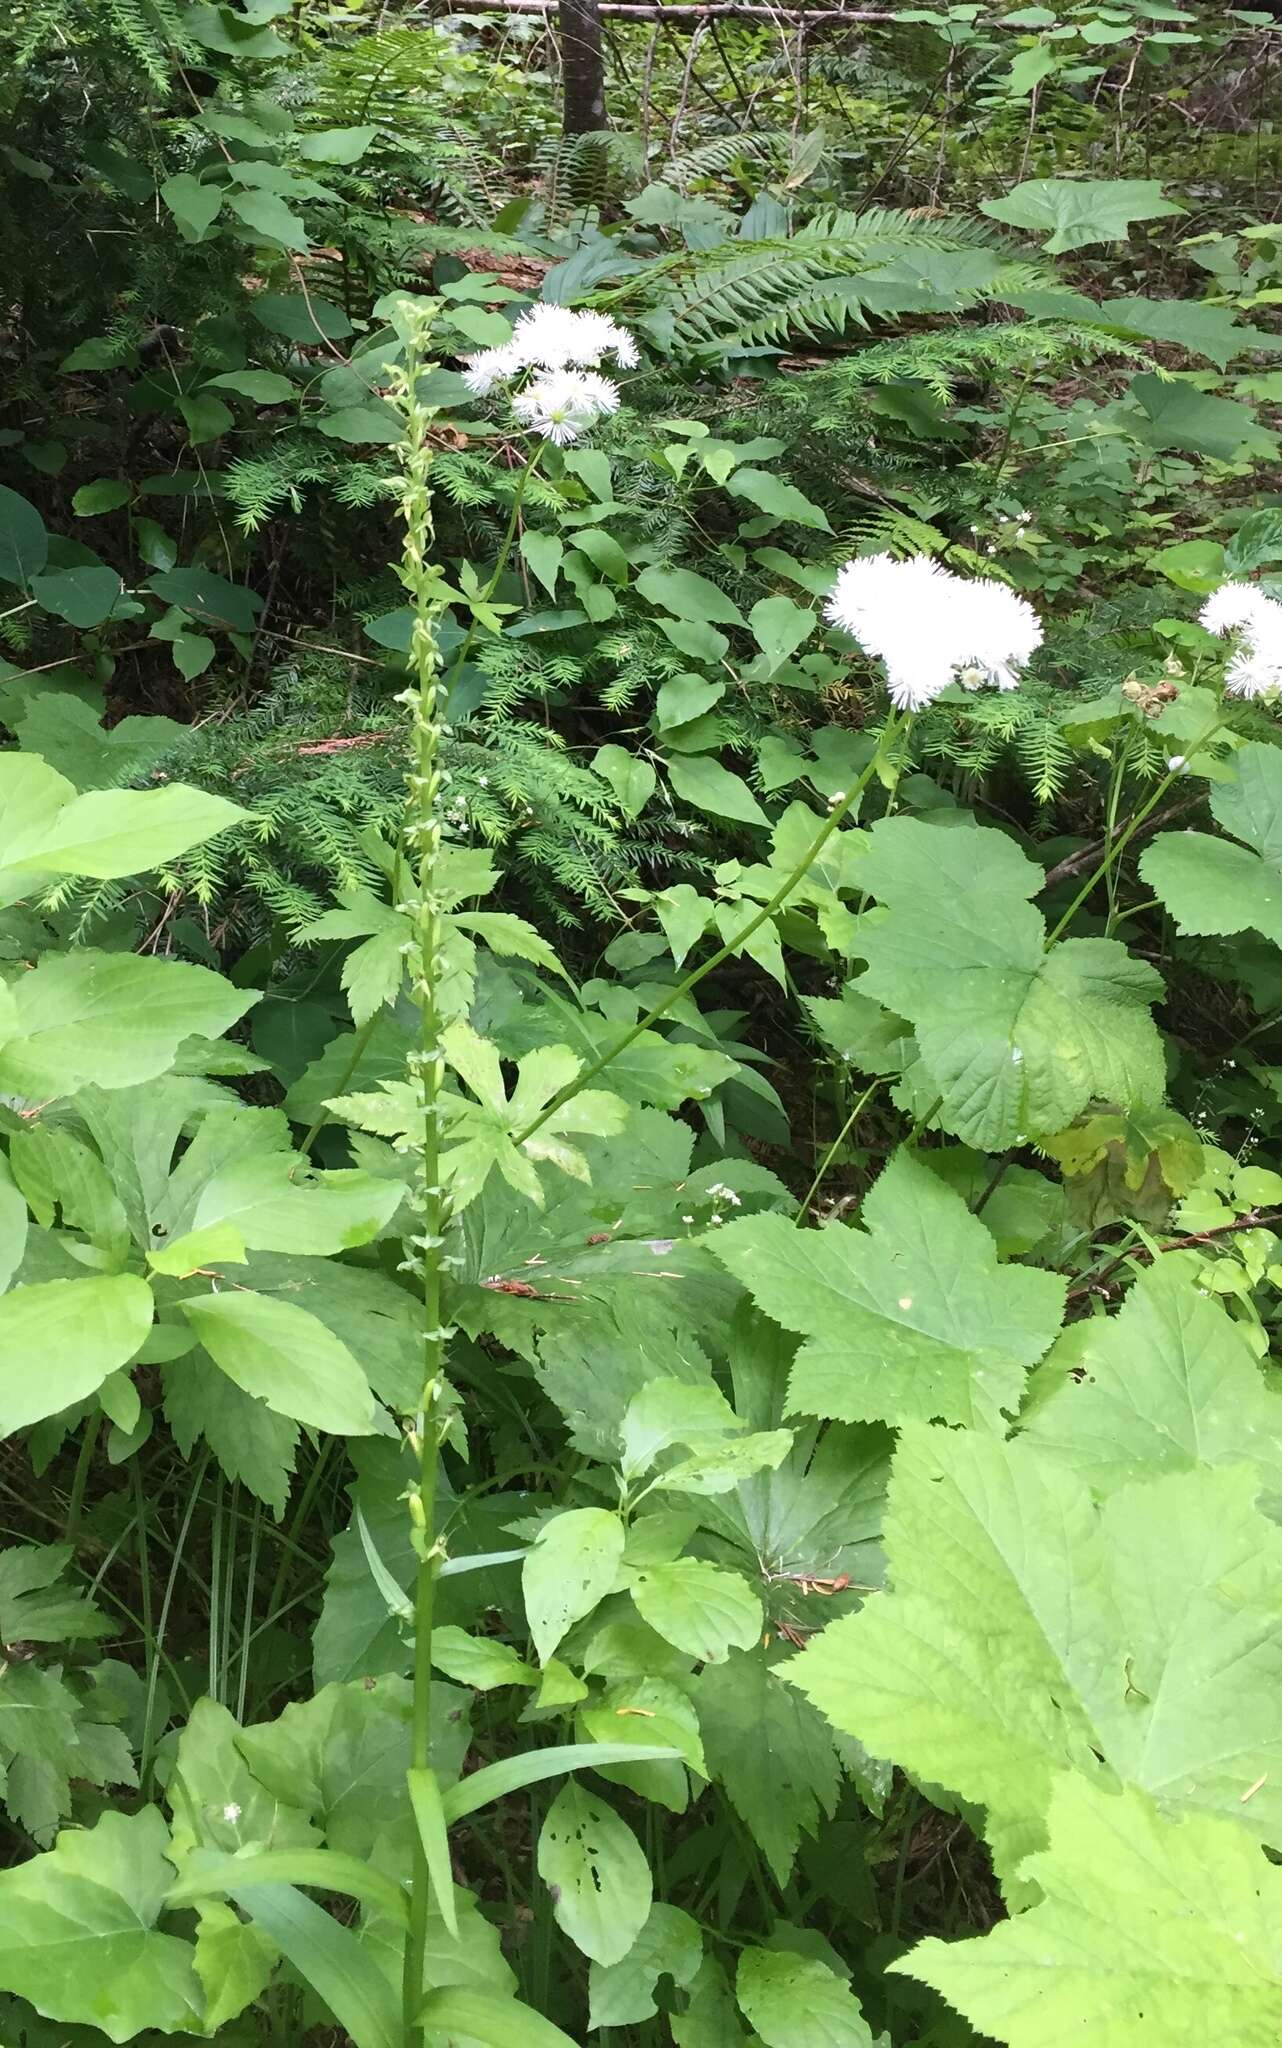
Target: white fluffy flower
[929, 627]
[1256, 665]
[492, 367]
[551, 338]
[565, 403]
[557, 338]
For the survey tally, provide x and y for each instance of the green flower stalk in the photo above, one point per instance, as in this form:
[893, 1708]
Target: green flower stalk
[421, 905]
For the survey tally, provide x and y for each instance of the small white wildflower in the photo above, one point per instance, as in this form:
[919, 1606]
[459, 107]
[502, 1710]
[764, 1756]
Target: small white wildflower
[565, 403]
[927, 626]
[718, 1219]
[719, 1192]
[1175, 762]
[838, 797]
[905, 1301]
[687, 1219]
[1256, 665]
[231, 1813]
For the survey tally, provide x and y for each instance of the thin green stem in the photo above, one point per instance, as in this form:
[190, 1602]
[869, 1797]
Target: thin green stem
[1114, 852]
[80, 1478]
[155, 1644]
[796, 876]
[803, 1206]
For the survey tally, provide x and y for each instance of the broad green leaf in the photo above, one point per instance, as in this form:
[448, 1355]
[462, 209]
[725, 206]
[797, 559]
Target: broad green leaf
[1079, 212]
[217, 1803]
[335, 145]
[1030, 1630]
[267, 1201]
[1168, 1384]
[330, 1959]
[282, 1355]
[83, 596]
[265, 387]
[1178, 415]
[479, 1661]
[771, 1751]
[703, 782]
[13, 1226]
[234, 1961]
[1027, 1038]
[796, 2001]
[543, 553]
[110, 1019]
[24, 543]
[572, 1564]
[106, 833]
[724, 1467]
[267, 215]
[1212, 887]
[462, 2013]
[632, 780]
[698, 1607]
[299, 316]
[596, 1872]
[622, 1994]
[683, 915]
[195, 205]
[777, 498]
[911, 1317]
[78, 1933]
[668, 1412]
[684, 698]
[61, 1339]
[362, 424]
[1148, 1931]
[107, 495]
[341, 1757]
[688, 596]
[209, 597]
[780, 627]
[654, 1710]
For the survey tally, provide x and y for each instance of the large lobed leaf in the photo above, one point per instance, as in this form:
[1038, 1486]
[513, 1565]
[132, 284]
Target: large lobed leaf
[1015, 1040]
[1150, 1932]
[1030, 1629]
[910, 1317]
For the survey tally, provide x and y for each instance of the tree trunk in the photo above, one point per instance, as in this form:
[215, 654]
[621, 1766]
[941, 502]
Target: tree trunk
[582, 67]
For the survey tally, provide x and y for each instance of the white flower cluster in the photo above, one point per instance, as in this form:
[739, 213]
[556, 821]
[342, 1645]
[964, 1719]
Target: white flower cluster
[930, 628]
[555, 356]
[1256, 664]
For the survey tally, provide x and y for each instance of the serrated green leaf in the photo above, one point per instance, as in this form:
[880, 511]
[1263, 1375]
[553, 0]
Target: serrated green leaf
[1079, 212]
[1168, 1384]
[698, 1607]
[78, 1933]
[911, 1317]
[1149, 1931]
[771, 1751]
[1030, 1630]
[1212, 887]
[796, 2001]
[1027, 1037]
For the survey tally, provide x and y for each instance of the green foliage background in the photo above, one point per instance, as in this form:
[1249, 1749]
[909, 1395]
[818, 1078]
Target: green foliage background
[830, 1591]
